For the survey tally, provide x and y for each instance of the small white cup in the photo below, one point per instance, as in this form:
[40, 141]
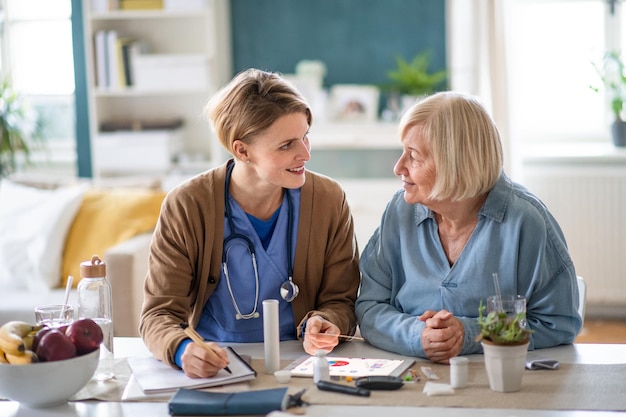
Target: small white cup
[458, 371]
[283, 376]
[54, 315]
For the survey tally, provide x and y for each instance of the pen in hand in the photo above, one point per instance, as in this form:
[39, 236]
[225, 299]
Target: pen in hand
[193, 335]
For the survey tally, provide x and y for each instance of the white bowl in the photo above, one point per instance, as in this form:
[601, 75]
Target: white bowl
[45, 384]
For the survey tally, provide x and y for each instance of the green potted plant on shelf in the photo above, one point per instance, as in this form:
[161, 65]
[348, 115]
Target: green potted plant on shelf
[504, 338]
[612, 75]
[411, 80]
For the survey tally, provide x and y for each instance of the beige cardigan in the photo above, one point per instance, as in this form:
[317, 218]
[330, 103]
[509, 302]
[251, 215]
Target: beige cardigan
[186, 252]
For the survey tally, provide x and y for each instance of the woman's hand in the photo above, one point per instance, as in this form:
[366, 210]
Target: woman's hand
[201, 363]
[320, 334]
[442, 338]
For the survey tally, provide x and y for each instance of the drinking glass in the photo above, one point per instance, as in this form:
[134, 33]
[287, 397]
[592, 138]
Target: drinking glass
[511, 304]
[54, 315]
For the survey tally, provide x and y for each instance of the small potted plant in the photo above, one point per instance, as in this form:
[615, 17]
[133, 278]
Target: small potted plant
[613, 76]
[19, 129]
[412, 79]
[504, 338]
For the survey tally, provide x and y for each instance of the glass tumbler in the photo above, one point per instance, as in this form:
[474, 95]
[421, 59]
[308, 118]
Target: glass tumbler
[54, 315]
[511, 304]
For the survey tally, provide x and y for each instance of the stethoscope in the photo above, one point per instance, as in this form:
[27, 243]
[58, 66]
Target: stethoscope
[288, 289]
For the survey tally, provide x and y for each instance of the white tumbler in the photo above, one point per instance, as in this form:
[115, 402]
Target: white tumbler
[271, 336]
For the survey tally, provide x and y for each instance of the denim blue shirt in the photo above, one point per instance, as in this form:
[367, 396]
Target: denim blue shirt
[405, 272]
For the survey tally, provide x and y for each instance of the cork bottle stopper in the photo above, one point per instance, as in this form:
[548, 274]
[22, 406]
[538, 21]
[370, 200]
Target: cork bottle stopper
[94, 268]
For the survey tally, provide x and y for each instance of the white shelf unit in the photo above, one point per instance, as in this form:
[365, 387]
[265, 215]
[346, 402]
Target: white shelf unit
[204, 34]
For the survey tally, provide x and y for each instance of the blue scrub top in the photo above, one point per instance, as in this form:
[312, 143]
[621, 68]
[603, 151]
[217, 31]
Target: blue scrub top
[218, 322]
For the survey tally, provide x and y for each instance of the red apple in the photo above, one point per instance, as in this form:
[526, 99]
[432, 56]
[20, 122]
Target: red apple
[55, 346]
[85, 334]
[38, 337]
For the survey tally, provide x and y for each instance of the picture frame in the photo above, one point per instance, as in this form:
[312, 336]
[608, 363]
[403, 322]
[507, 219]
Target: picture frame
[354, 102]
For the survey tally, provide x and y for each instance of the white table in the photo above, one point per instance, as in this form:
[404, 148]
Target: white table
[127, 347]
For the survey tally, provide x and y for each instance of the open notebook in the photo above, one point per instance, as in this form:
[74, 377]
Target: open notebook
[154, 376]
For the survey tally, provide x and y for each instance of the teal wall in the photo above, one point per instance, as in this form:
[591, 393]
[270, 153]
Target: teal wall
[357, 39]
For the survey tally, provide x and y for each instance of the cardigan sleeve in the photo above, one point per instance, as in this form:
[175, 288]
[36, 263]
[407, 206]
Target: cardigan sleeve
[327, 257]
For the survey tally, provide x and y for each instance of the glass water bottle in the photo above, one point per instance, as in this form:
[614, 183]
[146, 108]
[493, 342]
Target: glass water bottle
[94, 302]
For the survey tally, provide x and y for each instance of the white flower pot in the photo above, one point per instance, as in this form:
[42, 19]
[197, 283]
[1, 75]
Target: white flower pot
[505, 365]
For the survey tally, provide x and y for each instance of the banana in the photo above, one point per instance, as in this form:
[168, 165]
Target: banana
[12, 336]
[28, 340]
[12, 345]
[3, 359]
[28, 356]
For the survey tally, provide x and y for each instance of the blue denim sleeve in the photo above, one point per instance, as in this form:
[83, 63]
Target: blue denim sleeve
[470, 325]
[178, 358]
[381, 323]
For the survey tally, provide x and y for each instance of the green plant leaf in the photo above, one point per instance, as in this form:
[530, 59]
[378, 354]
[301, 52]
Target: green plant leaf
[20, 131]
[499, 328]
[414, 78]
[611, 74]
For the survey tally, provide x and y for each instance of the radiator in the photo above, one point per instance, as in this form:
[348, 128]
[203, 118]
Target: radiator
[589, 202]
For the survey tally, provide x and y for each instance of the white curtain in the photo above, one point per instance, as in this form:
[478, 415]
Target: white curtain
[477, 61]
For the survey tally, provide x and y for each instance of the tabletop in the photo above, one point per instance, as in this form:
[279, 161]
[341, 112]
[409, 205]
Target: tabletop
[586, 354]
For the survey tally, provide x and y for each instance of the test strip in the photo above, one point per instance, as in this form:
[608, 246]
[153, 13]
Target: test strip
[430, 374]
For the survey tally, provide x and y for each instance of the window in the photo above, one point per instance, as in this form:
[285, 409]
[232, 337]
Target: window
[552, 46]
[37, 54]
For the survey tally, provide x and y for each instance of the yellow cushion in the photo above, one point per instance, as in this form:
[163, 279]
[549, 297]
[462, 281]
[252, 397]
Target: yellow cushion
[105, 219]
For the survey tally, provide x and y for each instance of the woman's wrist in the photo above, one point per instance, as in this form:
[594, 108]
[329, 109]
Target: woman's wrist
[178, 357]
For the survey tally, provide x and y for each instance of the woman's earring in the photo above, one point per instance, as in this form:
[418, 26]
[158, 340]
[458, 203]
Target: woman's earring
[248, 161]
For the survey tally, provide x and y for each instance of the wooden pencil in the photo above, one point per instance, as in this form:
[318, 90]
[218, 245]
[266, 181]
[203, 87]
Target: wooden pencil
[196, 338]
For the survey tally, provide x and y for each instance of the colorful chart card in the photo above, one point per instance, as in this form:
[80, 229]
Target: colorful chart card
[353, 367]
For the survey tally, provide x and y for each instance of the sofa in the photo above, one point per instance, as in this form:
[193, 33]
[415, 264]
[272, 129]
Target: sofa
[47, 231]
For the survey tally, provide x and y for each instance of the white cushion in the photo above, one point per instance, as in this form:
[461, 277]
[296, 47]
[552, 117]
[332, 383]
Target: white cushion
[33, 227]
[20, 304]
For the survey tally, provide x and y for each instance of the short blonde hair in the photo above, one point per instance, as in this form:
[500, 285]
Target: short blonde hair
[464, 141]
[250, 103]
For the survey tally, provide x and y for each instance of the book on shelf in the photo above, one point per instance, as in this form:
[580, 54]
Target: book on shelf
[154, 376]
[141, 4]
[112, 60]
[100, 46]
[102, 6]
[115, 57]
[126, 49]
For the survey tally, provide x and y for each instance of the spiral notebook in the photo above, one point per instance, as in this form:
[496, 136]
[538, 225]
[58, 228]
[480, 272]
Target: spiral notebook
[154, 376]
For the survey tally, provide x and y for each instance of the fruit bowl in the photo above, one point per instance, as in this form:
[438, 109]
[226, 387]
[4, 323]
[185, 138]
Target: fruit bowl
[44, 384]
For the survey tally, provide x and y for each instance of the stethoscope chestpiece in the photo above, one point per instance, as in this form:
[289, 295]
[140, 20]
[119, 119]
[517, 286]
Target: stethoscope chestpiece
[289, 290]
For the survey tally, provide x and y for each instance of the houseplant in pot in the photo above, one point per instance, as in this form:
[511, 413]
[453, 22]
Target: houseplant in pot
[20, 130]
[412, 79]
[612, 75]
[504, 338]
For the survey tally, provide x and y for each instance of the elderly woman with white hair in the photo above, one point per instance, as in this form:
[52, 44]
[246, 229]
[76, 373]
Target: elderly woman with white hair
[458, 220]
